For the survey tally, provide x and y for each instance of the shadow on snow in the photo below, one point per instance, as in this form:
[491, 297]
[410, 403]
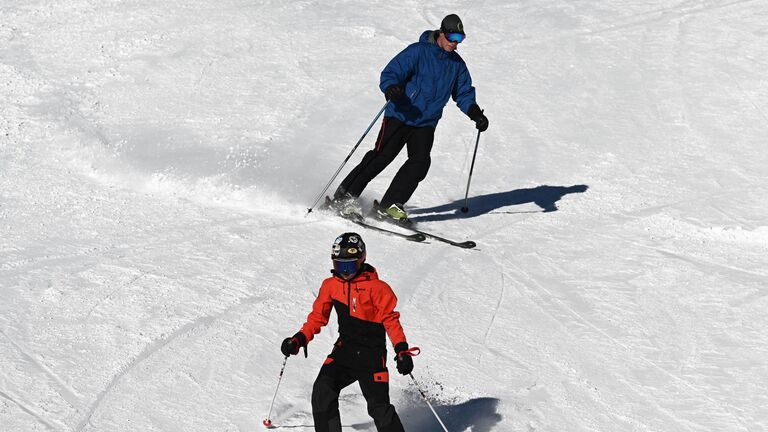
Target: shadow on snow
[543, 196]
[478, 414]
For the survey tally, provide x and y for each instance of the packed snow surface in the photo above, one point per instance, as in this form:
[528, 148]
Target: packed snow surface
[157, 159]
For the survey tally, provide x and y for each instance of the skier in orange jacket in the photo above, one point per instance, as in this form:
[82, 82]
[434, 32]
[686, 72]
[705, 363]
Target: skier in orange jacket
[365, 306]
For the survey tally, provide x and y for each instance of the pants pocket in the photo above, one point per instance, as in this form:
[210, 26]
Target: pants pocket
[381, 377]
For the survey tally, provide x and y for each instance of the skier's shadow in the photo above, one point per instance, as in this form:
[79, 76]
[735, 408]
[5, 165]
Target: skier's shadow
[543, 196]
[479, 414]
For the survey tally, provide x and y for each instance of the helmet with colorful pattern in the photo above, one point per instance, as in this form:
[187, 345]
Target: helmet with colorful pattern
[348, 255]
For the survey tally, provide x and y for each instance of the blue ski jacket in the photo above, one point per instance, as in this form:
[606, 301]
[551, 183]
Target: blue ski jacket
[429, 76]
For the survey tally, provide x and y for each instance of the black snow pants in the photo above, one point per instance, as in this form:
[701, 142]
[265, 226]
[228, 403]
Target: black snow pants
[394, 134]
[346, 364]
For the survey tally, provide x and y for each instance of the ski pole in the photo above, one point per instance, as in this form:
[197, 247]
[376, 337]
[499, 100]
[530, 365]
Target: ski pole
[267, 421]
[465, 209]
[424, 396]
[322, 192]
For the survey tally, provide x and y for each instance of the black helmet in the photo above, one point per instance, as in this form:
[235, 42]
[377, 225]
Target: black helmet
[452, 24]
[348, 255]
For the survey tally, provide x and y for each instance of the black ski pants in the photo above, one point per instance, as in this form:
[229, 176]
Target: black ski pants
[345, 365]
[394, 134]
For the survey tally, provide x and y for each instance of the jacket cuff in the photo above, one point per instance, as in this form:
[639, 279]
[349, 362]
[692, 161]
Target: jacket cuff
[400, 347]
[301, 338]
[474, 112]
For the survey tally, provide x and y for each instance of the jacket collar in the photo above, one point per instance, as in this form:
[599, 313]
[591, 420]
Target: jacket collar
[430, 37]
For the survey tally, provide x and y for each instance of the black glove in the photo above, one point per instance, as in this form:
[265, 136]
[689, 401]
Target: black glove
[477, 116]
[403, 359]
[291, 345]
[393, 92]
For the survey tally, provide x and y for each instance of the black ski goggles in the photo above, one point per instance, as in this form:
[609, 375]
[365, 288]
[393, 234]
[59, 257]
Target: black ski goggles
[455, 37]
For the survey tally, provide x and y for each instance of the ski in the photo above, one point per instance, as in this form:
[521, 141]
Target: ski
[359, 220]
[415, 237]
[469, 244]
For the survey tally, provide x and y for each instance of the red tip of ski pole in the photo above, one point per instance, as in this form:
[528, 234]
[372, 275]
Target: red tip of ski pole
[267, 423]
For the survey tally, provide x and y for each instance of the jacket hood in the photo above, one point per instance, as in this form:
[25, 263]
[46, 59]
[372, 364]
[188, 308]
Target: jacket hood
[429, 36]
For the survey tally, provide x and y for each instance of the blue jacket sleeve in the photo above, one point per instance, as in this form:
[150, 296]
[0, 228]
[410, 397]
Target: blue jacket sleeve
[399, 69]
[463, 91]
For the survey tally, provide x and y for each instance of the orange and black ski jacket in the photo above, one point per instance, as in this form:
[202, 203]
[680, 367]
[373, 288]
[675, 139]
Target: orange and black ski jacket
[365, 307]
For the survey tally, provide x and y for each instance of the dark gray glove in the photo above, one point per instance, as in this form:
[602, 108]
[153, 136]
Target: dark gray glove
[403, 358]
[291, 345]
[393, 92]
[477, 116]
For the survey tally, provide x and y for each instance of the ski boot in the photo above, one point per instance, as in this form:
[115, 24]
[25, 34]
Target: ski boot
[346, 206]
[394, 214]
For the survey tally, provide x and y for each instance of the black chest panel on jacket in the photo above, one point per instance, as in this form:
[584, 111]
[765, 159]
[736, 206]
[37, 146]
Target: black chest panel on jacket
[357, 331]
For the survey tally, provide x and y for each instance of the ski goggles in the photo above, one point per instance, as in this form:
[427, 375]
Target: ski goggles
[346, 267]
[455, 37]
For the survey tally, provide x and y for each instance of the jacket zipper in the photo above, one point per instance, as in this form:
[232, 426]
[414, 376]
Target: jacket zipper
[350, 303]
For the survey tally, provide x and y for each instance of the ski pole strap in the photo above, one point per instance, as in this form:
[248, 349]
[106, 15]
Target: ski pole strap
[413, 352]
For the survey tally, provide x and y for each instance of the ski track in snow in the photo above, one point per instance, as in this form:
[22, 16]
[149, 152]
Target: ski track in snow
[157, 346]
[550, 298]
[496, 310]
[30, 411]
[68, 393]
[151, 349]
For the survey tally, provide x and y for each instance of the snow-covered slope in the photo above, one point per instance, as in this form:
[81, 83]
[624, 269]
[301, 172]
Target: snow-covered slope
[157, 160]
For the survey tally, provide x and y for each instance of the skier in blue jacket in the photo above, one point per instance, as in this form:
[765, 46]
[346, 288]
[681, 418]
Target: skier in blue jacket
[418, 82]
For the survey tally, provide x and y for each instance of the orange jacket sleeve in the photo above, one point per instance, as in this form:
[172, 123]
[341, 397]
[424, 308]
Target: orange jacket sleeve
[386, 302]
[321, 311]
